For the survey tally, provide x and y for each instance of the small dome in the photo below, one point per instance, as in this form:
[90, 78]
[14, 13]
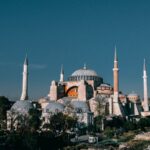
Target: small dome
[133, 94]
[22, 106]
[105, 85]
[133, 97]
[54, 106]
[122, 96]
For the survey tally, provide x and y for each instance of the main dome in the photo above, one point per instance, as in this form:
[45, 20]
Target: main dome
[84, 72]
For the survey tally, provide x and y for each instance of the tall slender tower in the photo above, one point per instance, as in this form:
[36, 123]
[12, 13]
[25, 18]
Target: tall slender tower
[85, 67]
[116, 77]
[24, 95]
[116, 110]
[62, 74]
[145, 102]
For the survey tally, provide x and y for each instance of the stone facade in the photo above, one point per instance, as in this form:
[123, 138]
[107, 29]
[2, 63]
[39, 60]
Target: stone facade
[85, 95]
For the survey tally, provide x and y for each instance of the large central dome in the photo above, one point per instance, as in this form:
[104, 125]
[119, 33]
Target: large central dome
[84, 72]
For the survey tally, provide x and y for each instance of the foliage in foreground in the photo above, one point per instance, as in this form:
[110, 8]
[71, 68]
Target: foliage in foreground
[138, 145]
[32, 141]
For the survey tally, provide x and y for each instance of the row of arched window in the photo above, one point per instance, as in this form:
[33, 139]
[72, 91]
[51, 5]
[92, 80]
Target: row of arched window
[78, 78]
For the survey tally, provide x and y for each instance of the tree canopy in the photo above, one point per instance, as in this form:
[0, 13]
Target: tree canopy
[5, 105]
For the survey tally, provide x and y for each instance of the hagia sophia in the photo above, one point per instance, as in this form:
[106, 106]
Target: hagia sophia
[84, 95]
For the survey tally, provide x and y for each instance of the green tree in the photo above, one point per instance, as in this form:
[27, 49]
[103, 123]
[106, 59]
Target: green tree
[115, 122]
[98, 122]
[143, 122]
[128, 125]
[109, 132]
[57, 122]
[5, 105]
[70, 122]
[60, 123]
[34, 119]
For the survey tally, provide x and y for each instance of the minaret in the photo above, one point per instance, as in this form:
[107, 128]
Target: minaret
[145, 102]
[116, 107]
[24, 95]
[62, 74]
[84, 67]
[116, 77]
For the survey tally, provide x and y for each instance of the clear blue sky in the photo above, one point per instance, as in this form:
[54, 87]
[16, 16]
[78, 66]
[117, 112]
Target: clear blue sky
[71, 32]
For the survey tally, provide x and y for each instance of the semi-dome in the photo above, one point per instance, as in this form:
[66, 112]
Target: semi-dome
[54, 107]
[64, 100]
[76, 104]
[22, 107]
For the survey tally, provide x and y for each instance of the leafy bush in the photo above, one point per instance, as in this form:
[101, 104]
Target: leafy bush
[109, 132]
[138, 145]
[128, 125]
[143, 122]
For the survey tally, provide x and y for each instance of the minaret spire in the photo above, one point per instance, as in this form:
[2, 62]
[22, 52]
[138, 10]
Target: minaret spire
[116, 73]
[24, 95]
[62, 74]
[145, 102]
[144, 65]
[62, 69]
[116, 107]
[26, 60]
[115, 55]
[84, 67]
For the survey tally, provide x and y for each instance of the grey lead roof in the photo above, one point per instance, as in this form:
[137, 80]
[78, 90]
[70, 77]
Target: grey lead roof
[22, 106]
[80, 105]
[84, 72]
[53, 106]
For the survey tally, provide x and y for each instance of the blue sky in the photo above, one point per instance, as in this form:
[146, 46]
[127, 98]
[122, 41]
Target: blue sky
[72, 32]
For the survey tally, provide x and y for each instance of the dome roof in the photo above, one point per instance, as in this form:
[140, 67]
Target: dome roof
[133, 97]
[105, 85]
[22, 106]
[76, 104]
[84, 72]
[64, 100]
[54, 106]
[133, 94]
